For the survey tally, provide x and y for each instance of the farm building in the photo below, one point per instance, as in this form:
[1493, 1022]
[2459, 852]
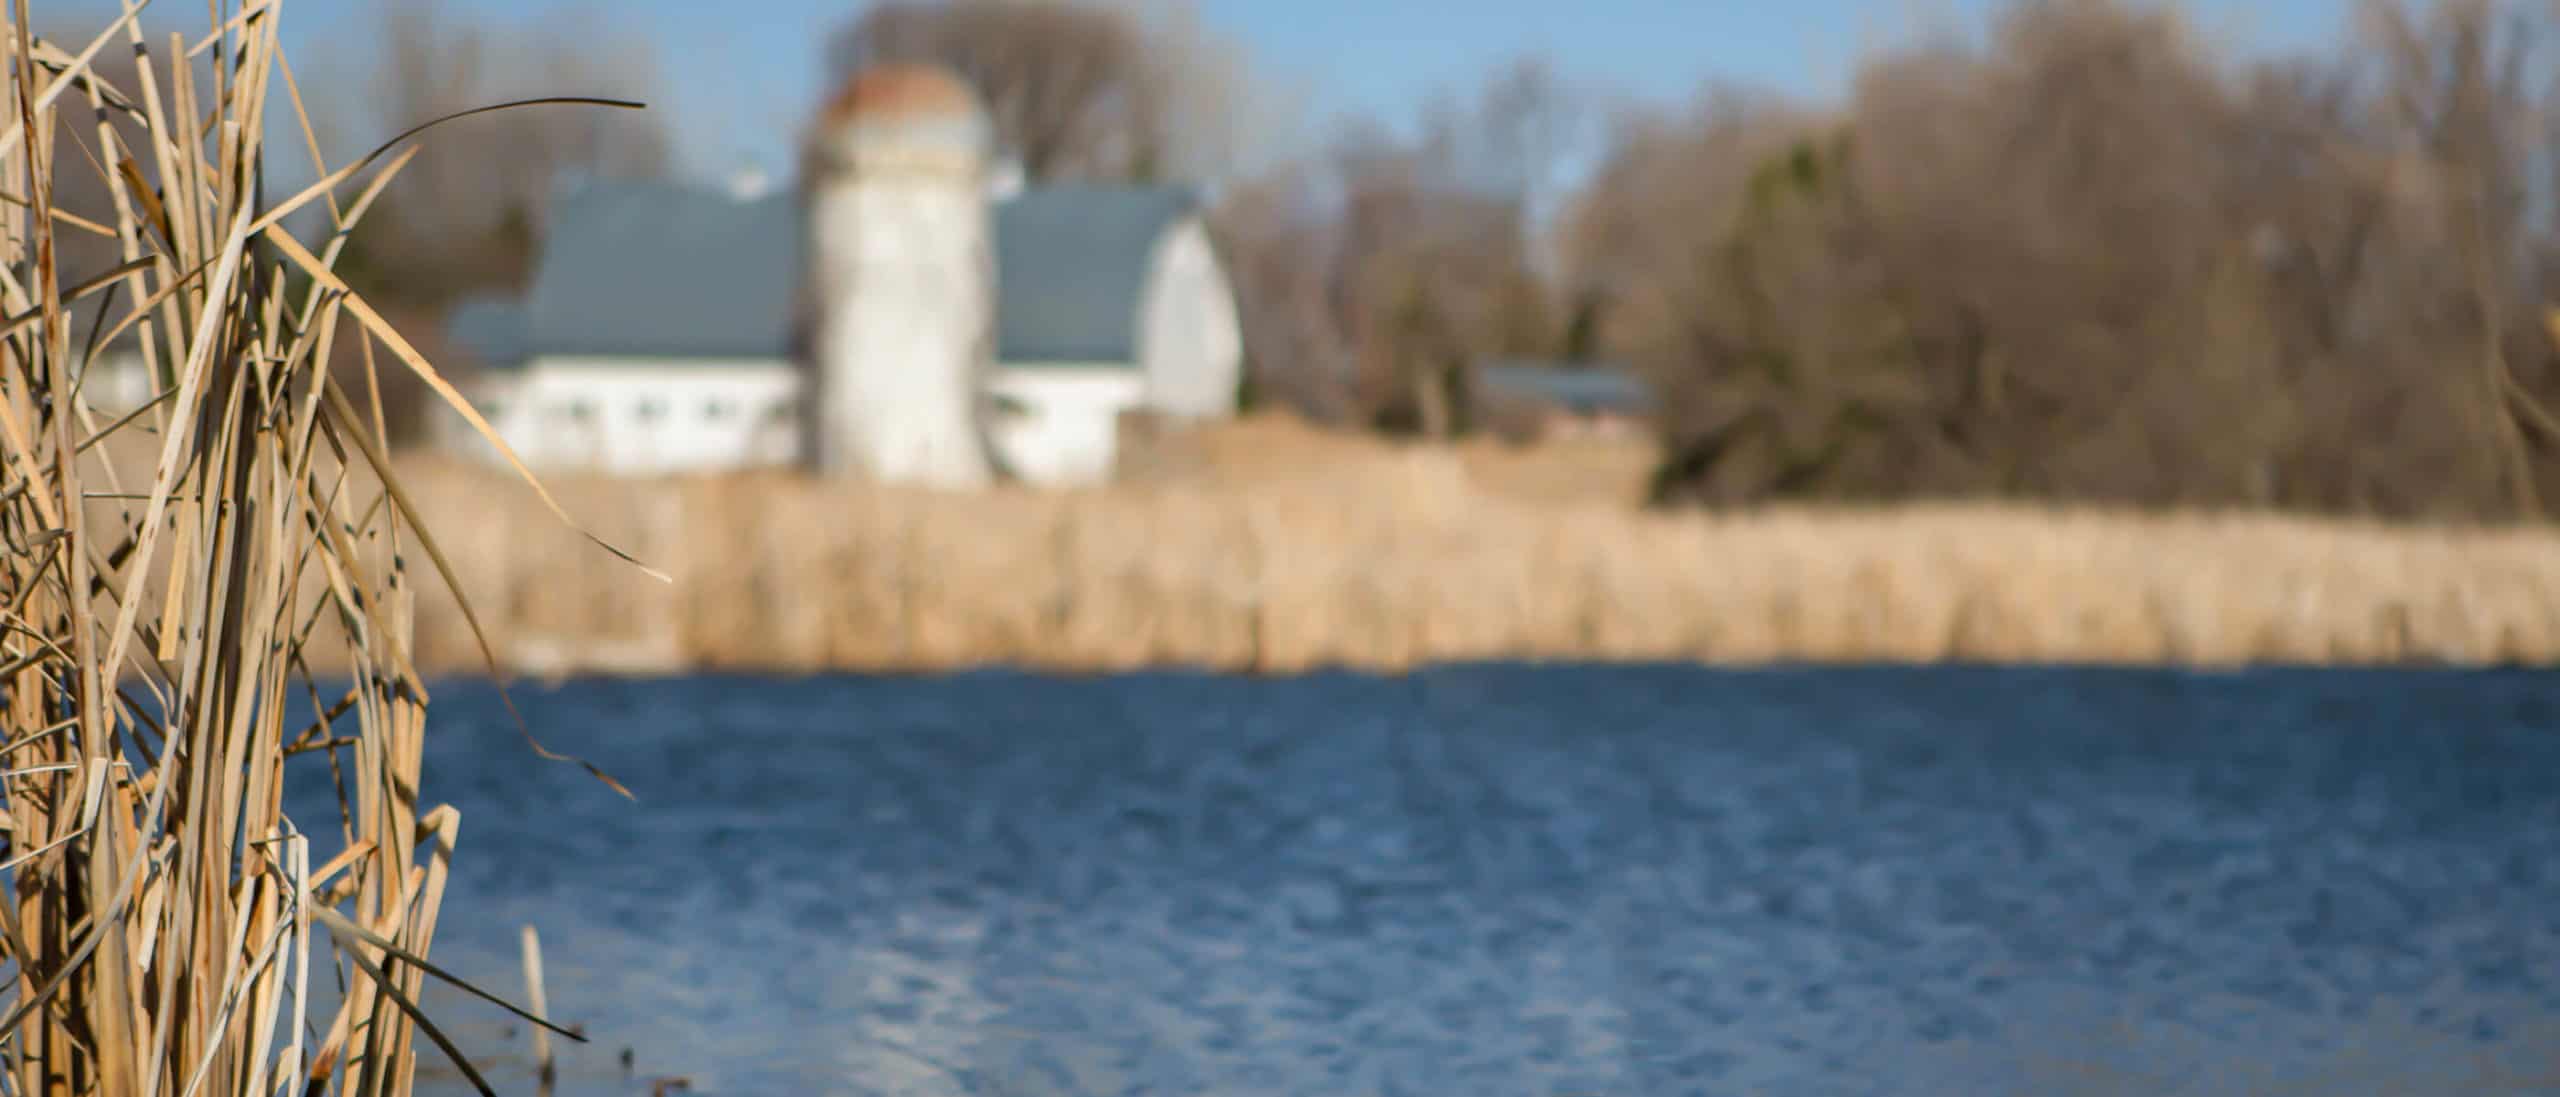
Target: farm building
[1109, 299]
[1566, 399]
[661, 333]
[655, 338]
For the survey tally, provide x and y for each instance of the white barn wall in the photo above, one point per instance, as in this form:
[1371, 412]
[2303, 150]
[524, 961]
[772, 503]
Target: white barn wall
[637, 416]
[1068, 431]
[1190, 340]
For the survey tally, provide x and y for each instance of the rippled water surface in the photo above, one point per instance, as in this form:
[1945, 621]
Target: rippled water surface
[1535, 881]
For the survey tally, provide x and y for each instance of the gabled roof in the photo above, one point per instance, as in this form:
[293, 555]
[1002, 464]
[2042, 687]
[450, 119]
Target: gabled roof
[665, 270]
[1071, 268]
[489, 328]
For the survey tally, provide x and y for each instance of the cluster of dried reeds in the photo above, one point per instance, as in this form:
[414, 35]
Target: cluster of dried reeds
[159, 618]
[1375, 558]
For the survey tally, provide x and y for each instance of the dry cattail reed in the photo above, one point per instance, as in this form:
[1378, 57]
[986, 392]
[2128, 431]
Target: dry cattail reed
[173, 577]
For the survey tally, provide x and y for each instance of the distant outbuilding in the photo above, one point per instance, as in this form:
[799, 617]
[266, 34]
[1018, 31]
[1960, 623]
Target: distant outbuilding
[1568, 398]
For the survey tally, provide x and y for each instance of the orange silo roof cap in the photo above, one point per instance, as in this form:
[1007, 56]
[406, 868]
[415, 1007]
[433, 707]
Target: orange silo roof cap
[896, 118]
[901, 92]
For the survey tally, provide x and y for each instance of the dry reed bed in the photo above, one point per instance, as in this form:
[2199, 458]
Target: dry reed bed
[1405, 564]
[168, 583]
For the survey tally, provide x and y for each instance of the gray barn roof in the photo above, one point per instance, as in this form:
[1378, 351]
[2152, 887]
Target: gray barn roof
[1071, 267]
[663, 270]
[491, 329]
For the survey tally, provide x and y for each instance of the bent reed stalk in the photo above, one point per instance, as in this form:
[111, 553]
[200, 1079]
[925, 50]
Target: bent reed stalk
[157, 620]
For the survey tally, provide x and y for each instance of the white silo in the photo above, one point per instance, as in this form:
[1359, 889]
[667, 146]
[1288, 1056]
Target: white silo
[901, 280]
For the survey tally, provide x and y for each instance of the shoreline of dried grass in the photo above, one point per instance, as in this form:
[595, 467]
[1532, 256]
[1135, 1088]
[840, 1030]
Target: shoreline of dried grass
[1409, 563]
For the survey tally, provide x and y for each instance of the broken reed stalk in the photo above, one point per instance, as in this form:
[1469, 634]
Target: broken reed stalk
[156, 934]
[541, 1003]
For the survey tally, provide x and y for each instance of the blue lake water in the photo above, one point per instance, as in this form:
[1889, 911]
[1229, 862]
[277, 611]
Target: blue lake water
[1506, 880]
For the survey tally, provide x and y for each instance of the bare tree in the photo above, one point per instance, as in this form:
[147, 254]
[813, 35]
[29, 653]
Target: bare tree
[1217, 117]
[1113, 90]
[2457, 94]
[1278, 242]
[1525, 126]
[2093, 260]
[467, 214]
[1381, 270]
[1072, 89]
[1422, 267]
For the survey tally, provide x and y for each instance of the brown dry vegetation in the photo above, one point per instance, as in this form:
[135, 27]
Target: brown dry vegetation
[1270, 547]
[2096, 259]
[170, 583]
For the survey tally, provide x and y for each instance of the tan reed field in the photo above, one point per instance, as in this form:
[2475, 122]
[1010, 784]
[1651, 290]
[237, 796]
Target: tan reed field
[175, 578]
[1352, 553]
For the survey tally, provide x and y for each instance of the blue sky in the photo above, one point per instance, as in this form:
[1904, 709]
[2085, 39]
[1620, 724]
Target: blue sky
[743, 72]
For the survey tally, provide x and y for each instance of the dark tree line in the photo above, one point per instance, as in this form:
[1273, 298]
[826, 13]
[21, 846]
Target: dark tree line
[2091, 261]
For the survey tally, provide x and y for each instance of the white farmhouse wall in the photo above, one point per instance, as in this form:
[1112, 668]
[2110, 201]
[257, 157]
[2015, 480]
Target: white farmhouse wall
[1190, 341]
[1062, 425]
[637, 417]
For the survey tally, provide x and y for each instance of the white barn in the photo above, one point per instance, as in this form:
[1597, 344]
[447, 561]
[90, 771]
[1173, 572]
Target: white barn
[1108, 299]
[659, 336]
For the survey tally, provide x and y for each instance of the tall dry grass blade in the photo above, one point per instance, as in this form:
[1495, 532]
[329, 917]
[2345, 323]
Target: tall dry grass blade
[156, 932]
[339, 923]
[443, 1043]
[99, 284]
[74, 70]
[329, 183]
[381, 463]
[417, 364]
